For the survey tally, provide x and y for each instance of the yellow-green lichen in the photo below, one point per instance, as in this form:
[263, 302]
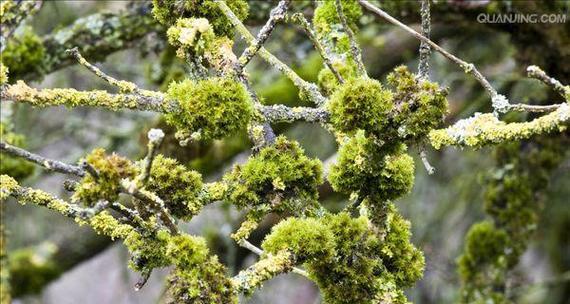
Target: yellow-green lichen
[111, 169]
[268, 267]
[3, 74]
[168, 12]
[486, 129]
[7, 186]
[194, 35]
[280, 176]
[214, 107]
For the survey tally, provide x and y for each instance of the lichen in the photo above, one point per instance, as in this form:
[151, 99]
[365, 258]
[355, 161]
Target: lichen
[168, 12]
[177, 186]
[7, 185]
[268, 267]
[111, 169]
[360, 103]
[194, 35]
[280, 176]
[214, 107]
[3, 74]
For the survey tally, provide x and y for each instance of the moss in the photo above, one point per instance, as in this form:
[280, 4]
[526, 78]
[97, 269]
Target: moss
[420, 104]
[360, 103]
[266, 268]
[214, 107]
[326, 15]
[307, 238]
[110, 169]
[24, 54]
[168, 12]
[483, 261]
[365, 166]
[327, 80]
[104, 223]
[280, 176]
[16, 167]
[177, 186]
[31, 269]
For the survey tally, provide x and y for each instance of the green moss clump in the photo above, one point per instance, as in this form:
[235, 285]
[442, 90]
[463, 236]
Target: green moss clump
[15, 167]
[308, 239]
[420, 104]
[178, 187]
[362, 165]
[326, 15]
[484, 260]
[280, 175]
[214, 107]
[168, 12]
[31, 269]
[360, 103]
[111, 169]
[328, 82]
[24, 54]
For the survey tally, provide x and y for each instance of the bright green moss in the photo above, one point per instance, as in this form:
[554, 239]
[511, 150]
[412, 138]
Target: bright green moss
[16, 167]
[360, 103]
[214, 107]
[111, 169]
[148, 252]
[306, 238]
[280, 175]
[24, 54]
[420, 104]
[104, 223]
[168, 12]
[483, 263]
[177, 186]
[327, 80]
[326, 15]
[363, 165]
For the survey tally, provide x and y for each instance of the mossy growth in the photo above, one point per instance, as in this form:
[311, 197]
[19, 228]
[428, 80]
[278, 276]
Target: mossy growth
[24, 54]
[420, 104]
[326, 15]
[483, 263]
[17, 168]
[366, 166]
[347, 259]
[168, 12]
[194, 35]
[361, 103]
[213, 107]
[178, 187]
[328, 82]
[280, 176]
[110, 170]
[31, 268]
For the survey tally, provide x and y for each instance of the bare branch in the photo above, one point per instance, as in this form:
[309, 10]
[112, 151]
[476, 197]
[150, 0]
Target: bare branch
[425, 50]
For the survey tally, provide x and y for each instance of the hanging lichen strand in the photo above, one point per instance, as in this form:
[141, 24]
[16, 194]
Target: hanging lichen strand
[361, 254]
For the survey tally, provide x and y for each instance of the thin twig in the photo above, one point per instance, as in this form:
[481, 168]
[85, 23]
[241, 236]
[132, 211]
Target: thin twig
[535, 72]
[249, 246]
[42, 161]
[354, 49]
[124, 86]
[277, 14]
[500, 103]
[283, 113]
[155, 137]
[300, 20]
[520, 107]
[423, 156]
[425, 50]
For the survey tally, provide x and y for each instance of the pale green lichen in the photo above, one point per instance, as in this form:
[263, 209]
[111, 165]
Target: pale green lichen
[193, 35]
[177, 186]
[268, 267]
[280, 176]
[213, 107]
[111, 169]
[486, 129]
[169, 12]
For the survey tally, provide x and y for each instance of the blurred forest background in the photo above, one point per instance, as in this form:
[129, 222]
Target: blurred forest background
[441, 207]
